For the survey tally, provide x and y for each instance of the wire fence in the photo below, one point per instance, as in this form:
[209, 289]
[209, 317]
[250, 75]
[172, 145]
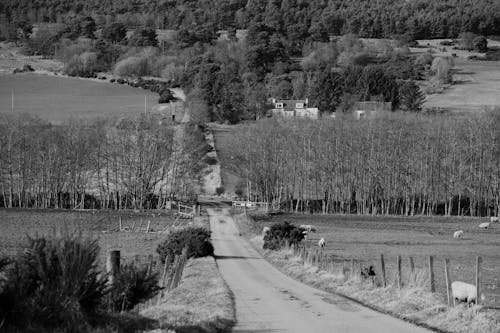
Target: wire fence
[437, 271]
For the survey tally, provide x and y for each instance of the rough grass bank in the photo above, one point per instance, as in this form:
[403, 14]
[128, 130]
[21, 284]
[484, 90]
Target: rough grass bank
[201, 303]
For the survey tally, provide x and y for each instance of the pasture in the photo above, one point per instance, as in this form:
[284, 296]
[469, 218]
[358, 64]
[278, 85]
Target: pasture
[476, 83]
[57, 99]
[365, 238]
[224, 137]
[17, 224]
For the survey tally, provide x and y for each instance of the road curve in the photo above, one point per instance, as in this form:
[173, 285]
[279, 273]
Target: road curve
[269, 301]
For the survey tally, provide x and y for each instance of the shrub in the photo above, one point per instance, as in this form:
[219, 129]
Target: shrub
[211, 160]
[280, 233]
[166, 96]
[54, 283]
[132, 67]
[195, 239]
[133, 285]
[220, 190]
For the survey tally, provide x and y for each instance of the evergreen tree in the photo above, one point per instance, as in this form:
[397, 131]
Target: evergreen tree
[411, 97]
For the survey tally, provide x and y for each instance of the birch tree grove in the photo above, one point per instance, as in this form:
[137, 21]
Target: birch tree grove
[392, 164]
[105, 163]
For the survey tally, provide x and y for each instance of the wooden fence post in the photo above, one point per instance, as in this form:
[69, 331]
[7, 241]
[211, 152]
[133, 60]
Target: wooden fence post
[120, 222]
[400, 281]
[113, 265]
[448, 281]
[147, 229]
[412, 265]
[431, 274]
[150, 264]
[479, 260]
[382, 268]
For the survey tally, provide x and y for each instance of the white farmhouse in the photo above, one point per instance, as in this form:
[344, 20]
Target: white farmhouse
[293, 108]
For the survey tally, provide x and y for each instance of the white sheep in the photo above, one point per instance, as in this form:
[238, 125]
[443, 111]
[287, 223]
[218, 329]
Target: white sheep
[308, 227]
[458, 234]
[484, 225]
[265, 230]
[495, 219]
[463, 292]
[322, 243]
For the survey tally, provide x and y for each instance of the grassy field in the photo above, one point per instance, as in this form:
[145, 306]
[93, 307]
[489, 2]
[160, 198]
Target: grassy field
[477, 83]
[364, 238]
[59, 98]
[224, 138]
[16, 225]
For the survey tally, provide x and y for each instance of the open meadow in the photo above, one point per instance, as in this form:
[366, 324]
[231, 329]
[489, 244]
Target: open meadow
[365, 238]
[476, 84]
[17, 224]
[57, 99]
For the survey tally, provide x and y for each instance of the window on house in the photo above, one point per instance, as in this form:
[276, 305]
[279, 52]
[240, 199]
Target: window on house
[299, 105]
[279, 105]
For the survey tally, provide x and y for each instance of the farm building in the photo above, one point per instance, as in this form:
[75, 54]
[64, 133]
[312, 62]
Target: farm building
[369, 109]
[293, 108]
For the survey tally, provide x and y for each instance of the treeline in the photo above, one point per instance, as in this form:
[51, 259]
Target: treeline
[392, 164]
[300, 19]
[105, 163]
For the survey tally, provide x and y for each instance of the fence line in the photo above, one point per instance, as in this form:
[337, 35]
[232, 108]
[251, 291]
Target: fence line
[313, 256]
[169, 272]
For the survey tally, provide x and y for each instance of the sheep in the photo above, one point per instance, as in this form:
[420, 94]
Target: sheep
[484, 225]
[463, 292]
[495, 219]
[458, 234]
[265, 230]
[368, 272]
[308, 227]
[322, 243]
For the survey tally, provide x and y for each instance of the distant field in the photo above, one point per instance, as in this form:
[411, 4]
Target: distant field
[60, 98]
[15, 225]
[477, 84]
[224, 138]
[366, 237]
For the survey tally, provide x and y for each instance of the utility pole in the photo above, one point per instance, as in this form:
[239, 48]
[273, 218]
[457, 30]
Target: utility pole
[145, 105]
[12, 107]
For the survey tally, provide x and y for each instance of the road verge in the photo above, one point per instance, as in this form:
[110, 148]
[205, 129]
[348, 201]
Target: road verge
[201, 303]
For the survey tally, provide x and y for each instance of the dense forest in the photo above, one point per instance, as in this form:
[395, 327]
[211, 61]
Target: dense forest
[299, 19]
[393, 164]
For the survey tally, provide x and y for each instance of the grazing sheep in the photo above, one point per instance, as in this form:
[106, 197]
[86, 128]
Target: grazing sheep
[308, 227]
[265, 230]
[458, 234]
[495, 219]
[322, 243]
[484, 225]
[305, 232]
[463, 292]
[368, 272]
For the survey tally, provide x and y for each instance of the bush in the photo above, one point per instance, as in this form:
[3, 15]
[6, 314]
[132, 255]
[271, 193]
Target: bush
[54, 283]
[132, 286]
[132, 67]
[220, 190]
[280, 233]
[166, 96]
[195, 239]
[211, 160]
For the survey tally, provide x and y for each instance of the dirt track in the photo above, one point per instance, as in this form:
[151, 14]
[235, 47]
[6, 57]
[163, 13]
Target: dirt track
[269, 301]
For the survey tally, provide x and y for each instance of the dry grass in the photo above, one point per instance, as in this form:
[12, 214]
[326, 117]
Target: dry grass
[412, 303]
[201, 303]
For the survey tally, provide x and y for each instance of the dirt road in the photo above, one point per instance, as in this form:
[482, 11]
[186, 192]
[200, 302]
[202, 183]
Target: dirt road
[269, 301]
